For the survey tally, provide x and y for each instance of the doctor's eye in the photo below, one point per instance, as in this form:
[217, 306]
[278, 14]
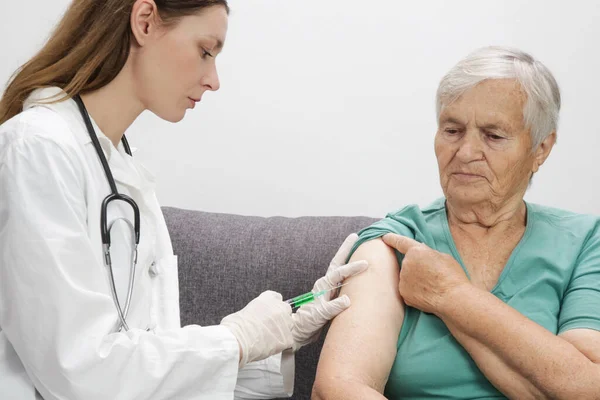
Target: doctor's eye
[206, 54]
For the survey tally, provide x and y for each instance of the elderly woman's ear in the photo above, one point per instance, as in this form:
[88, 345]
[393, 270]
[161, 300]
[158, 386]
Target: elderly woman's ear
[543, 151]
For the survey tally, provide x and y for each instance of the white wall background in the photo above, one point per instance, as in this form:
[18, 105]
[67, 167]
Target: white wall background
[327, 107]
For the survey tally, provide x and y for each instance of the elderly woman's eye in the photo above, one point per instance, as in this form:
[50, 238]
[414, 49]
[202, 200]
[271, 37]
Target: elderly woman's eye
[494, 137]
[451, 131]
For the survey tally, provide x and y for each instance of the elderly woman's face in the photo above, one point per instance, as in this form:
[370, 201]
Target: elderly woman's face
[482, 146]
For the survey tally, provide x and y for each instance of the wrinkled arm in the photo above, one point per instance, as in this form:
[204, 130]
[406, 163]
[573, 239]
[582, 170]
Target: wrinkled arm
[521, 358]
[360, 347]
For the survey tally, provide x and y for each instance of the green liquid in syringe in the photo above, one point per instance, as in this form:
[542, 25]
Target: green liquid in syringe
[305, 298]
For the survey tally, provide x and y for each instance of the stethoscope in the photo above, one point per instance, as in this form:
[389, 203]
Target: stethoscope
[105, 228]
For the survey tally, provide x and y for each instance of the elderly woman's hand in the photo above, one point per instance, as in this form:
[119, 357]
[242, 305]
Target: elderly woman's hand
[427, 276]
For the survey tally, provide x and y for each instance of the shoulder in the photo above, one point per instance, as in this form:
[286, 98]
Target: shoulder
[564, 222]
[411, 221]
[570, 236]
[412, 218]
[37, 122]
[38, 129]
[39, 142]
[414, 211]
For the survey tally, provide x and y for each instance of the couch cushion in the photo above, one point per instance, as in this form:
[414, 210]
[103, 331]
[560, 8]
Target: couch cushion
[227, 260]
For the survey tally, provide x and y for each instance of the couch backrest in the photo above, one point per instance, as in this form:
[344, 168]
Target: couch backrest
[227, 260]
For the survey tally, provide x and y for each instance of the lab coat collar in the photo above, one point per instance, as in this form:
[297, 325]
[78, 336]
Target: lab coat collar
[67, 109]
[125, 169]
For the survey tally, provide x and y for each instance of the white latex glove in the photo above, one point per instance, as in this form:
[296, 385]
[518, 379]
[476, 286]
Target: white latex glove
[310, 318]
[262, 328]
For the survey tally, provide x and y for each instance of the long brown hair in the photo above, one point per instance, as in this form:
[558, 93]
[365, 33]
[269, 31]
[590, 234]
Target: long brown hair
[87, 49]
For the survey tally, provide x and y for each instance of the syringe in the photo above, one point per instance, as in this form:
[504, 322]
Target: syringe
[297, 301]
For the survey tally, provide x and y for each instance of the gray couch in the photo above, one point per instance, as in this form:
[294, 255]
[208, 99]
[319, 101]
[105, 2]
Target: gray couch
[227, 260]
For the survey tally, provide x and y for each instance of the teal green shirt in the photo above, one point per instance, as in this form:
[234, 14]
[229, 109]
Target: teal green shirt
[552, 277]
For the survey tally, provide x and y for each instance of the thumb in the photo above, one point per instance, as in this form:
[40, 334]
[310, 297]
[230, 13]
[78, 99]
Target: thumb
[401, 243]
[334, 307]
[271, 294]
[341, 256]
[338, 275]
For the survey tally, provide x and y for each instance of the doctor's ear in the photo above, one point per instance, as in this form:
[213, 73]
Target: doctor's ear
[145, 20]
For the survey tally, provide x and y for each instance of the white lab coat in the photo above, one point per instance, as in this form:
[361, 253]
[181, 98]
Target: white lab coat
[56, 310]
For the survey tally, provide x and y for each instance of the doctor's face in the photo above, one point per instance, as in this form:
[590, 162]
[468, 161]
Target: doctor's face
[174, 65]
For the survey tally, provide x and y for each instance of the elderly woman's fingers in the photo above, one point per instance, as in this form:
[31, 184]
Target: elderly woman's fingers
[401, 243]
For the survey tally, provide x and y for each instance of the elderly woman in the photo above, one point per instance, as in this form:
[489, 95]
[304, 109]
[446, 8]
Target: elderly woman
[483, 295]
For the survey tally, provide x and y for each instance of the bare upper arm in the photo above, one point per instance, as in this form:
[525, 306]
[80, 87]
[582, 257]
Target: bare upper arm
[361, 343]
[587, 341]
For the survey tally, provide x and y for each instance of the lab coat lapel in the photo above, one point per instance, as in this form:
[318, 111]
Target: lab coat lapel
[125, 170]
[120, 164]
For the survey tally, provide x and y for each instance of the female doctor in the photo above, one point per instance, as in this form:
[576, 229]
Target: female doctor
[88, 280]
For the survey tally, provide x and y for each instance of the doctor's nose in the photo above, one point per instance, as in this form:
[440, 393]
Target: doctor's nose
[211, 80]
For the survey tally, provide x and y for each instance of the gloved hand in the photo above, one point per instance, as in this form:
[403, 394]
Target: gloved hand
[262, 328]
[310, 318]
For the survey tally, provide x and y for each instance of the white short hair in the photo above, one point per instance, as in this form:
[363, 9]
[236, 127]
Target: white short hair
[543, 95]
